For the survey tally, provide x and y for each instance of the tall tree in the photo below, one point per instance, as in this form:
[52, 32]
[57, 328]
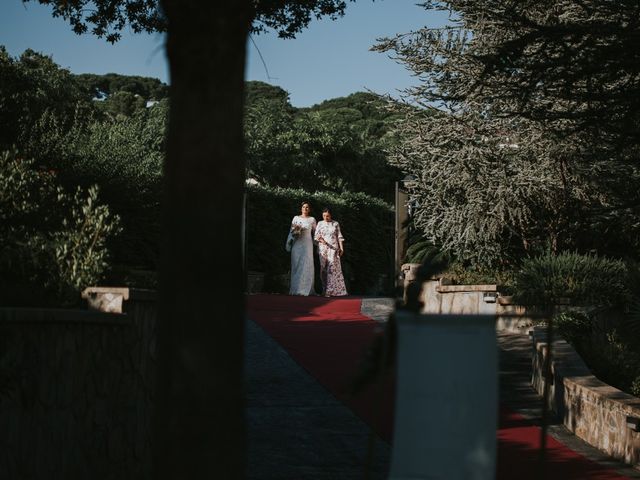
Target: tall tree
[572, 64]
[538, 146]
[33, 86]
[200, 414]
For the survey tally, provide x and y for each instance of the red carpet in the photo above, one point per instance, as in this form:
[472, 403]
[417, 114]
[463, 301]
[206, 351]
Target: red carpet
[327, 337]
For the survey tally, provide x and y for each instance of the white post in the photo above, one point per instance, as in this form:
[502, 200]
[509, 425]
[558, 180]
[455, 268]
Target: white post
[446, 408]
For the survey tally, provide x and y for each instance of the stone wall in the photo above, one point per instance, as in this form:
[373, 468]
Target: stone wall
[603, 416]
[473, 300]
[600, 414]
[76, 389]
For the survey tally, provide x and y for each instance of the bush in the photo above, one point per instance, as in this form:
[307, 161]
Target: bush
[635, 387]
[611, 353]
[52, 244]
[124, 156]
[584, 279]
[575, 327]
[615, 362]
[367, 224]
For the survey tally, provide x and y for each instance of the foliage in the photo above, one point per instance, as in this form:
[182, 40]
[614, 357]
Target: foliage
[321, 148]
[101, 86]
[122, 104]
[80, 246]
[421, 250]
[52, 244]
[289, 17]
[256, 92]
[124, 156]
[612, 354]
[367, 225]
[574, 326]
[366, 112]
[568, 64]
[117, 143]
[635, 387]
[478, 194]
[583, 51]
[584, 279]
[463, 273]
[121, 95]
[107, 18]
[615, 361]
[33, 87]
[633, 319]
[513, 162]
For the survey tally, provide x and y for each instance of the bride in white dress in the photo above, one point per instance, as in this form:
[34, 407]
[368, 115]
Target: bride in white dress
[300, 242]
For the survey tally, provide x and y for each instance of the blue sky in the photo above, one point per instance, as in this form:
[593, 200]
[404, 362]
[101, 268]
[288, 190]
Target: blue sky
[327, 60]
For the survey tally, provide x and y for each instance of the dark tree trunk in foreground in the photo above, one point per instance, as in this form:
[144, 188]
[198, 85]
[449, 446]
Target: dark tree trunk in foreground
[199, 414]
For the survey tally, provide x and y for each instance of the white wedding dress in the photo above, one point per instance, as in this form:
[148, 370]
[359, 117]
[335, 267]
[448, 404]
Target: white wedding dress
[302, 273]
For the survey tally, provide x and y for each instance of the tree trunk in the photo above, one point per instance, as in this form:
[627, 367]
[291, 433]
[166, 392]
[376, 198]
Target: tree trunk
[199, 422]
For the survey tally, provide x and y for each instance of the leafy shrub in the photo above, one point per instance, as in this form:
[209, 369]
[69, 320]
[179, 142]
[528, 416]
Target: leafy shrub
[574, 326]
[464, 273]
[584, 279]
[367, 224]
[616, 362]
[124, 157]
[422, 250]
[52, 244]
[635, 387]
[612, 354]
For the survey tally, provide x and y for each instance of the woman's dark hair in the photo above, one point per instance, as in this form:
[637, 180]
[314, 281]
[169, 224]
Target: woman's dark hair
[305, 202]
[327, 210]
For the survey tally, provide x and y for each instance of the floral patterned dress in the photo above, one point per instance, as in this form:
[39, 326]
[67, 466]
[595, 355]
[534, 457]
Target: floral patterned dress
[302, 270]
[330, 265]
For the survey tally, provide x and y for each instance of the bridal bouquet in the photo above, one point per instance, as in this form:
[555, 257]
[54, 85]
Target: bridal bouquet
[294, 233]
[296, 230]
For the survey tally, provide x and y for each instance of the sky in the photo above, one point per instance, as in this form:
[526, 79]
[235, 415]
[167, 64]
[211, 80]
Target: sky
[327, 60]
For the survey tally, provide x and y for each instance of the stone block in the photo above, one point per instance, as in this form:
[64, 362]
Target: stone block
[105, 299]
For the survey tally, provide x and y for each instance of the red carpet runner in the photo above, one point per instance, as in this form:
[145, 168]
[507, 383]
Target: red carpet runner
[327, 337]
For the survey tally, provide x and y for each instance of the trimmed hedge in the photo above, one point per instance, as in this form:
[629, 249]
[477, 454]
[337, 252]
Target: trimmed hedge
[367, 224]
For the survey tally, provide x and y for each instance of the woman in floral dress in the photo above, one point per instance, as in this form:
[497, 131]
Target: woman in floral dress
[300, 243]
[330, 249]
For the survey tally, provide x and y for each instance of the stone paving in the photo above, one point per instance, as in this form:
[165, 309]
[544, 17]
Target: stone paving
[296, 428]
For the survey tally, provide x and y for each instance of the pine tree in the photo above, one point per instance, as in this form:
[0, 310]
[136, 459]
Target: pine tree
[535, 138]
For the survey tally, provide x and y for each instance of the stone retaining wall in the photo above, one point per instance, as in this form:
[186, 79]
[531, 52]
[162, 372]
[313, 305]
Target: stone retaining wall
[600, 414]
[76, 389]
[475, 299]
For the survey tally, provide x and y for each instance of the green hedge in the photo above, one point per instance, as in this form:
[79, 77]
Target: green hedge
[583, 279]
[367, 224]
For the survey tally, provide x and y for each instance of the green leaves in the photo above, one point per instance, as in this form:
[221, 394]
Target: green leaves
[32, 86]
[289, 17]
[337, 145]
[583, 279]
[52, 245]
[517, 154]
[107, 18]
[80, 248]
